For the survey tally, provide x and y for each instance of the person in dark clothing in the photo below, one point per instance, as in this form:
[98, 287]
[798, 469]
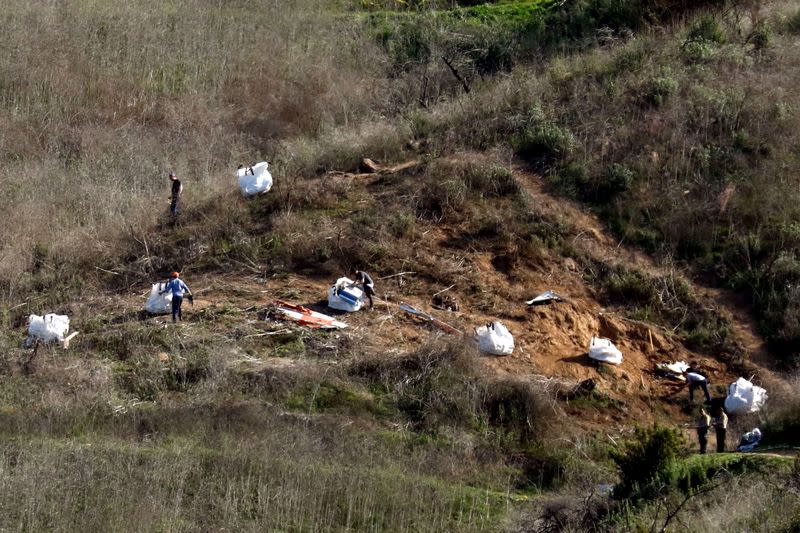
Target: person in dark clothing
[363, 279]
[178, 288]
[721, 427]
[696, 380]
[703, 423]
[177, 189]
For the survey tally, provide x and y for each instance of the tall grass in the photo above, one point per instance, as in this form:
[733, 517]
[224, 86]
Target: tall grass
[99, 100]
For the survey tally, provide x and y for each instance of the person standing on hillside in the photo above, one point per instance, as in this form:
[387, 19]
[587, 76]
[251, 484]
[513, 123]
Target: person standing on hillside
[696, 380]
[177, 189]
[363, 279]
[703, 423]
[721, 427]
[178, 288]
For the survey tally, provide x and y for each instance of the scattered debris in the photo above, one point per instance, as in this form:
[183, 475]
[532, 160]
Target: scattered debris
[254, 180]
[306, 317]
[749, 441]
[546, 298]
[445, 303]
[157, 303]
[344, 295]
[604, 350]
[494, 338]
[672, 371]
[744, 397]
[447, 328]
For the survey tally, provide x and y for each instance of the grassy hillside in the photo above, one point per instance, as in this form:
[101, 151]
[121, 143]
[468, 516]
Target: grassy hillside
[507, 133]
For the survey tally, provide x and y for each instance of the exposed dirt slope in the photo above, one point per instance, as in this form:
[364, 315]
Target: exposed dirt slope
[551, 341]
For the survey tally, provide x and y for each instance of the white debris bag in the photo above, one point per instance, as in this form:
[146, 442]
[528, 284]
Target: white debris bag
[604, 350]
[254, 180]
[48, 328]
[495, 339]
[744, 397]
[344, 295]
[159, 304]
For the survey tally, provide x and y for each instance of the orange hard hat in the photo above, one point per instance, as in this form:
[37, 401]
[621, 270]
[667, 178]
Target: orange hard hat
[175, 274]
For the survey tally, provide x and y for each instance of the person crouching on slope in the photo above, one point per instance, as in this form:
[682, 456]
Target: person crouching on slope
[363, 279]
[178, 288]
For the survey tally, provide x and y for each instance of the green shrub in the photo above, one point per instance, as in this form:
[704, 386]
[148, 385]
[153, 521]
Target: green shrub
[659, 89]
[697, 51]
[793, 24]
[645, 459]
[761, 37]
[545, 143]
[707, 29]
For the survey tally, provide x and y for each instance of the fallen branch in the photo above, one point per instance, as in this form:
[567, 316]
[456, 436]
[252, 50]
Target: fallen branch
[456, 74]
[398, 274]
[278, 332]
[444, 290]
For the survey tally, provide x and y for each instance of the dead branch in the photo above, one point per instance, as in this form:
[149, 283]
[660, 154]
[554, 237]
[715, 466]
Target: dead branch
[456, 74]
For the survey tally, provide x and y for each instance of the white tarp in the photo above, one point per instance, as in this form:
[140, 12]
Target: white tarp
[604, 350]
[345, 296]
[254, 180]
[495, 339]
[744, 397]
[47, 328]
[159, 304]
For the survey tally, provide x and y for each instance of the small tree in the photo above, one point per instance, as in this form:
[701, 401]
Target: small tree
[645, 459]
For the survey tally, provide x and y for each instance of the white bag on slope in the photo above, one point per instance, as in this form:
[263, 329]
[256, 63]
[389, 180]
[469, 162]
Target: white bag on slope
[48, 328]
[604, 350]
[345, 297]
[495, 339]
[744, 397]
[254, 180]
[159, 304]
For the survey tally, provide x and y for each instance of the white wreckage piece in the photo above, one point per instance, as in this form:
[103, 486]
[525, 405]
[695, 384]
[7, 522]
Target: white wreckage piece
[749, 441]
[744, 397]
[603, 350]
[157, 303]
[48, 328]
[673, 370]
[344, 295]
[494, 338]
[254, 180]
[545, 298]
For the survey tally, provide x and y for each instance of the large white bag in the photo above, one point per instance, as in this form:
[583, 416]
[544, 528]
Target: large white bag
[159, 304]
[345, 296]
[604, 350]
[744, 397]
[254, 180]
[48, 328]
[495, 339]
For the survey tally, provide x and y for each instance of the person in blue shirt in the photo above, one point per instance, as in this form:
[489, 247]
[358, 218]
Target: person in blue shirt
[178, 288]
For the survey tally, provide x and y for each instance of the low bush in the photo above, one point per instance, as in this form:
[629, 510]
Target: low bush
[645, 459]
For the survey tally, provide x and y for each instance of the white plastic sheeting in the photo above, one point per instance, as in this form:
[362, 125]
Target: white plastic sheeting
[159, 304]
[345, 296]
[744, 397]
[254, 180]
[47, 328]
[604, 350]
[495, 339]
